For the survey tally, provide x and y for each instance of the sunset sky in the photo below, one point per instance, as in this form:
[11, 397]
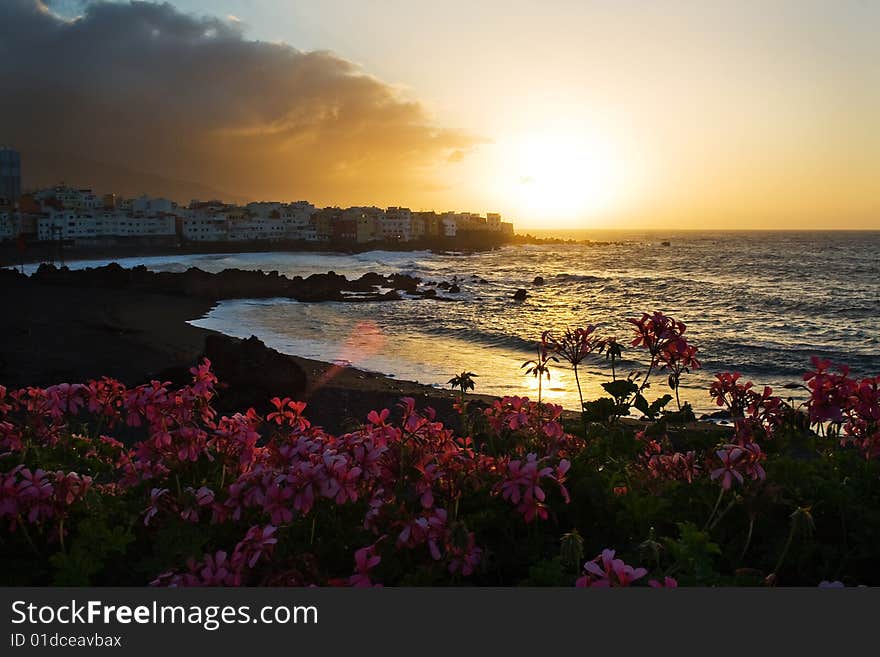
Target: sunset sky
[556, 113]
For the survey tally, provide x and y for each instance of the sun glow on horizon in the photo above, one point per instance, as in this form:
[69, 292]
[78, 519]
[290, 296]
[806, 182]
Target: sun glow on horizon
[561, 177]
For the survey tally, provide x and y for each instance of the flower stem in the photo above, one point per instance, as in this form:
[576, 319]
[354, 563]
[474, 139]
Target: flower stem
[748, 537]
[714, 509]
[785, 548]
[581, 397]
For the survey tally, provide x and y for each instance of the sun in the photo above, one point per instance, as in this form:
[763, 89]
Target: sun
[560, 178]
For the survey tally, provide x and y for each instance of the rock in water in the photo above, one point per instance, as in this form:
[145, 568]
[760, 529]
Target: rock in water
[520, 295]
[539, 280]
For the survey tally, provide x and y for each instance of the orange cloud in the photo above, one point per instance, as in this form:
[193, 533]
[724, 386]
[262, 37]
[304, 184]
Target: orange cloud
[146, 88]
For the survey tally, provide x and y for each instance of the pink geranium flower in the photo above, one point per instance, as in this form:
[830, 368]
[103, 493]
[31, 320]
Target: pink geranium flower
[365, 560]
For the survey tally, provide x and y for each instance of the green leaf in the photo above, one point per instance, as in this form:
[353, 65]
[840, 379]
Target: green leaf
[657, 405]
[94, 544]
[599, 410]
[620, 389]
[694, 553]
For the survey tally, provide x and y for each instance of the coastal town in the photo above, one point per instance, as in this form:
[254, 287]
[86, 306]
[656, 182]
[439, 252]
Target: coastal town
[83, 217]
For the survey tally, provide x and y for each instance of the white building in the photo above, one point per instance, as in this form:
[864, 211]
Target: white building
[450, 224]
[81, 200]
[245, 227]
[265, 209]
[204, 226]
[72, 225]
[396, 224]
[470, 221]
[297, 219]
[155, 225]
[66, 225]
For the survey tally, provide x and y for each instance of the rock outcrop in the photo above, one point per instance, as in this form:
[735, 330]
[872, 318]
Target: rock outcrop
[231, 283]
[252, 372]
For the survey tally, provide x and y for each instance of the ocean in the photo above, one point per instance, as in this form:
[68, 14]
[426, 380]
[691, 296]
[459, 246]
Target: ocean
[761, 303]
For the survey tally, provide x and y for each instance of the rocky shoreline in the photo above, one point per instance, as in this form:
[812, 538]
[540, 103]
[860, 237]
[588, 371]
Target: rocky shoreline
[12, 256]
[35, 253]
[232, 283]
[131, 324]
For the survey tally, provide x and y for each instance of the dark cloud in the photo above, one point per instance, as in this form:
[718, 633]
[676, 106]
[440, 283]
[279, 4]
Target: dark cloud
[152, 89]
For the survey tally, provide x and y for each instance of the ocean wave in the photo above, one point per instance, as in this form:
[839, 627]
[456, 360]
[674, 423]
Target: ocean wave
[752, 302]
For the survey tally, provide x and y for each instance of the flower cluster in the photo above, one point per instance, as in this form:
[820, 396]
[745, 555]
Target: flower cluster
[530, 426]
[605, 571]
[845, 404]
[759, 409]
[575, 344]
[402, 497]
[405, 478]
[656, 331]
[523, 483]
[38, 496]
[659, 461]
[221, 568]
[664, 339]
[738, 461]
[669, 351]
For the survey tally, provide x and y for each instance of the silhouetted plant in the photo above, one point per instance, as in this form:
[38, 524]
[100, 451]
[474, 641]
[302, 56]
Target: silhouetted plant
[540, 367]
[613, 351]
[663, 338]
[573, 347]
[463, 382]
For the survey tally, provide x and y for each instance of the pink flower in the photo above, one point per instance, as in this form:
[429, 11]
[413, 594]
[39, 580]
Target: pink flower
[216, 570]
[465, 560]
[727, 392]
[667, 583]
[575, 344]
[605, 571]
[378, 419]
[730, 467]
[365, 560]
[257, 543]
[829, 391]
[655, 331]
[203, 379]
[155, 498]
[288, 413]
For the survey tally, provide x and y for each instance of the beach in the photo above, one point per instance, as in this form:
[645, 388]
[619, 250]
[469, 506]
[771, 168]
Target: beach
[389, 312]
[62, 333]
[766, 327]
